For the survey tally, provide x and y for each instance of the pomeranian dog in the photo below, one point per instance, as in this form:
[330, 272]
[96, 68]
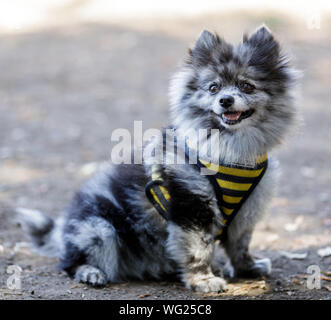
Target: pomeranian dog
[120, 226]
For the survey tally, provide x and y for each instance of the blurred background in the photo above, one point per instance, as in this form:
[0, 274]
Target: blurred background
[72, 71]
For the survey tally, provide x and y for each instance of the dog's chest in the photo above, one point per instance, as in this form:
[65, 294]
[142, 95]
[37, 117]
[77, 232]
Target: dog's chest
[231, 187]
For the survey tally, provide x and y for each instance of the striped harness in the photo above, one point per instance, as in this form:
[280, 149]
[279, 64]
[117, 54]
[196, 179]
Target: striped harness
[232, 185]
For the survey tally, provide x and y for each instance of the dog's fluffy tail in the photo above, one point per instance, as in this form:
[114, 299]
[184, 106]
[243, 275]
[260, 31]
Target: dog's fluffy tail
[44, 232]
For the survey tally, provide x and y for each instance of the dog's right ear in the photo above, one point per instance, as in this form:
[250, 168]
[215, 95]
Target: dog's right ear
[203, 51]
[206, 40]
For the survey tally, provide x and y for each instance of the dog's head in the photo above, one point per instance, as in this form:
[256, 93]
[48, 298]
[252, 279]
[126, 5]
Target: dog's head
[241, 90]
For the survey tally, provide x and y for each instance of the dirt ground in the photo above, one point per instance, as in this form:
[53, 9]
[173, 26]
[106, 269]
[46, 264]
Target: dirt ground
[64, 89]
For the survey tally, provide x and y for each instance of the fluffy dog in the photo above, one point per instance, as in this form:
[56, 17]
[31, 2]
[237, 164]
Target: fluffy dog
[112, 232]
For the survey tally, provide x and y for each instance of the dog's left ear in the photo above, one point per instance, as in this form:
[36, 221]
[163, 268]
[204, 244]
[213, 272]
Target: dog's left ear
[265, 55]
[260, 36]
[265, 48]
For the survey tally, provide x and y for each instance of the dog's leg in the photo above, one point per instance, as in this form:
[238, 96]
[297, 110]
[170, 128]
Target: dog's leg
[243, 263]
[90, 252]
[192, 249]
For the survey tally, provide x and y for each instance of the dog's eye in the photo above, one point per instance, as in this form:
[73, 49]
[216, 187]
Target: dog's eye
[213, 88]
[246, 87]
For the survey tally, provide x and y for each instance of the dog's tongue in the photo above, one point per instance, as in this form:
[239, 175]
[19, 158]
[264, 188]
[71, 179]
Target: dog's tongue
[232, 115]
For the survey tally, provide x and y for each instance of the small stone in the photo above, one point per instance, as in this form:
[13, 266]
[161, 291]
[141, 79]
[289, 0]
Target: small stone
[324, 252]
[89, 168]
[294, 255]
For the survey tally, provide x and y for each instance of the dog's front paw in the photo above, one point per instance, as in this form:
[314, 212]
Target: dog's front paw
[260, 268]
[91, 275]
[207, 284]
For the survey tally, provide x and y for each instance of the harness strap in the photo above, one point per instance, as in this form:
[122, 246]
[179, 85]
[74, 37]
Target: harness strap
[158, 195]
[232, 185]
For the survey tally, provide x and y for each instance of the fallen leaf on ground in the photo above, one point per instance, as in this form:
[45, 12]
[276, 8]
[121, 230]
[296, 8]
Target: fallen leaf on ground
[250, 288]
[305, 276]
[296, 281]
[324, 252]
[294, 255]
[75, 286]
[144, 295]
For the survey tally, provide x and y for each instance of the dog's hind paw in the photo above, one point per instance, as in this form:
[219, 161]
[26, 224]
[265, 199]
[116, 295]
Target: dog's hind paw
[90, 275]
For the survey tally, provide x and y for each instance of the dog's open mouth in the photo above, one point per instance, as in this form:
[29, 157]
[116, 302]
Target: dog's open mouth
[233, 117]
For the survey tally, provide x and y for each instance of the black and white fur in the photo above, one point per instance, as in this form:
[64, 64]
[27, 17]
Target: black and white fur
[112, 232]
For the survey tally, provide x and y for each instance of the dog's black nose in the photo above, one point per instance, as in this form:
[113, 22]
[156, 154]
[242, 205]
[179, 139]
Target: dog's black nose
[226, 101]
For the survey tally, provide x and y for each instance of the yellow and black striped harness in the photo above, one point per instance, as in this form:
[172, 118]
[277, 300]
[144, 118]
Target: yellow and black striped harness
[232, 185]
